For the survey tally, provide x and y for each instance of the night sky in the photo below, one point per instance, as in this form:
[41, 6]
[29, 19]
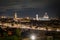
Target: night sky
[30, 8]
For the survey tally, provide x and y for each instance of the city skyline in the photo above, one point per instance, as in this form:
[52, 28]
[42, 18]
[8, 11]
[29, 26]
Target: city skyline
[30, 7]
[29, 19]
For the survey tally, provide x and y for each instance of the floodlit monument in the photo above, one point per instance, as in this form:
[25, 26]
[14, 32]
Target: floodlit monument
[37, 17]
[15, 16]
[44, 18]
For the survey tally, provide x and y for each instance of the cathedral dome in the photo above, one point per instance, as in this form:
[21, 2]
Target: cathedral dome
[46, 16]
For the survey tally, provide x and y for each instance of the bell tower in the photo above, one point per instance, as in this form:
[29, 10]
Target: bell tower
[15, 15]
[37, 18]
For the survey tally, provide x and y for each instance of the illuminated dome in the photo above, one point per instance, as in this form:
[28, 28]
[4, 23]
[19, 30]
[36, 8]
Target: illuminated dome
[46, 16]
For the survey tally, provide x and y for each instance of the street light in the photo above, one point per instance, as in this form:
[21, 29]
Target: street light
[33, 37]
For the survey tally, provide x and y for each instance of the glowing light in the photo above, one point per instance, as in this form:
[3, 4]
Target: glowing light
[58, 29]
[33, 37]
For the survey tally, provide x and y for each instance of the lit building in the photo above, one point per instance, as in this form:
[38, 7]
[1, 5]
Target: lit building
[45, 17]
[37, 18]
[27, 17]
[15, 16]
[3, 17]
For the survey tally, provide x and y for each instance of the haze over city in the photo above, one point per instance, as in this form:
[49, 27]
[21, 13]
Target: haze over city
[29, 7]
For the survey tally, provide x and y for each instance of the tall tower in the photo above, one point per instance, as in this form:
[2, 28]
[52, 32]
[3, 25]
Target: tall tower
[37, 18]
[15, 15]
[46, 16]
